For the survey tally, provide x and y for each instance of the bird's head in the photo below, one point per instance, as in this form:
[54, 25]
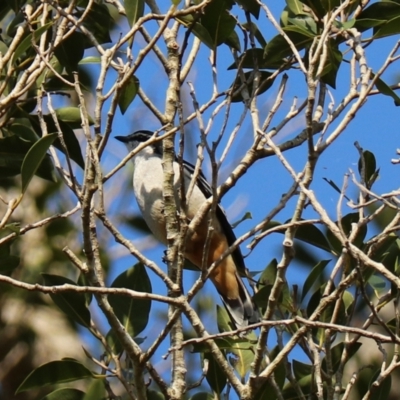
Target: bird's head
[135, 139]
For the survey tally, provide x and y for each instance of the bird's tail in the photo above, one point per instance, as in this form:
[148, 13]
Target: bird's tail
[242, 310]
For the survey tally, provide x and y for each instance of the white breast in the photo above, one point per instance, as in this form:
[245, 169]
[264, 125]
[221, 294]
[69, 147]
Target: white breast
[148, 188]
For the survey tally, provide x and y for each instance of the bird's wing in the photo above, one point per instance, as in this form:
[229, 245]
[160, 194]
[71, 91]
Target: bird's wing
[205, 188]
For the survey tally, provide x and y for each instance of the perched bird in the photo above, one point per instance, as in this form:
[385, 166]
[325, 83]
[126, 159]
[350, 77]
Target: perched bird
[148, 188]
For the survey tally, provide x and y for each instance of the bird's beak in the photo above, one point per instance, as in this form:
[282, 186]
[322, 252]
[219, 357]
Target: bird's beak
[122, 139]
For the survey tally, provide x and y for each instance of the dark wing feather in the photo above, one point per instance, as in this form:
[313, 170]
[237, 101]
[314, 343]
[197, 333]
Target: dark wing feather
[205, 188]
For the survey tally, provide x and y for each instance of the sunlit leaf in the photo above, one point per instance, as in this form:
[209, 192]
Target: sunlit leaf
[134, 10]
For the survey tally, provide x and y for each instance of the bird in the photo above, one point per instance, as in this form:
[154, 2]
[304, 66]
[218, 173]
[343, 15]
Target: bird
[148, 178]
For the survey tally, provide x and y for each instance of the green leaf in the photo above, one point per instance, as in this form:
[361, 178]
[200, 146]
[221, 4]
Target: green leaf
[304, 25]
[347, 221]
[391, 28]
[278, 49]
[8, 264]
[134, 10]
[198, 30]
[202, 396]
[329, 5]
[128, 93]
[71, 116]
[296, 7]
[367, 167]
[65, 394]
[133, 313]
[315, 274]
[336, 187]
[71, 50]
[246, 216]
[215, 376]
[34, 159]
[256, 32]
[252, 58]
[70, 140]
[337, 353]
[377, 14]
[54, 373]
[382, 391]
[12, 154]
[27, 42]
[387, 91]
[90, 60]
[312, 235]
[251, 6]
[264, 84]
[243, 352]
[96, 391]
[154, 395]
[99, 22]
[218, 22]
[301, 370]
[71, 303]
[333, 63]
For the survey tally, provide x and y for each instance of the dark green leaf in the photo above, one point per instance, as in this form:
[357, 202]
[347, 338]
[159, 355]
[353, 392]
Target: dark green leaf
[265, 83]
[198, 30]
[347, 222]
[134, 10]
[71, 50]
[330, 5]
[71, 142]
[99, 22]
[252, 58]
[367, 167]
[251, 6]
[71, 116]
[301, 370]
[218, 22]
[202, 396]
[268, 276]
[71, 303]
[265, 391]
[154, 395]
[65, 394]
[8, 263]
[377, 14]
[331, 68]
[315, 274]
[24, 131]
[387, 91]
[278, 48]
[133, 313]
[27, 42]
[215, 376]
[312, 235]
[381, 392]
[128, 93]
[336, 187]
[391, 28]
[53, 373]
[12, 153]
[233, 41]
[337, 353]
[256, 32]
[34, 159]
